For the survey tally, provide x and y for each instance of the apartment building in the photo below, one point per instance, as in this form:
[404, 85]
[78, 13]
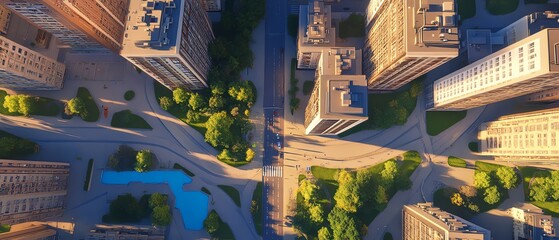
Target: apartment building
[168, 40]
[529, 222]
[22, 68]
[525, 67]
[424, 221]
[546, 96]
[30, 231]
[315, 33]
[32, 190]
[406, 39]
[520, 137]
[128, 232]
[5, 16]
[339, 98]
[80, 24]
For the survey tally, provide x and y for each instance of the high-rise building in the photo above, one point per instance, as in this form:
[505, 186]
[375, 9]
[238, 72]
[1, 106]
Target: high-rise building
[5, 16]
[80, 24]
[32, 190]
[424, 221]
[168, 40]
[529, 222]
[22, 68]
[406, 39]
[339, 98]
[525, 67]
[546, 96]
[30, 231]
[524, 136]
[315, 33]
[129, 232]
[212, 5]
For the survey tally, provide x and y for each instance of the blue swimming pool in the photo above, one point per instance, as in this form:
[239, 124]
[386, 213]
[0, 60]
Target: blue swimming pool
[193, 205]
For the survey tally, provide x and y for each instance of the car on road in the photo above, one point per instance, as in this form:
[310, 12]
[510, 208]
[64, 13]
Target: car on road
[279, 145]
[277, 136]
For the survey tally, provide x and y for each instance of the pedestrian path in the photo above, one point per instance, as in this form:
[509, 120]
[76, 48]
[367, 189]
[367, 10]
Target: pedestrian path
[272, 171]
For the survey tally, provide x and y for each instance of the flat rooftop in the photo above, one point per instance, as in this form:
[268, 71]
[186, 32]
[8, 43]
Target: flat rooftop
[152, 27]
[343, 97]
[341, 61]
[315, 25]
[431, 28]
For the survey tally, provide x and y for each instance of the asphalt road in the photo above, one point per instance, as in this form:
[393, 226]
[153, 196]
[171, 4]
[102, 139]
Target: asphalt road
[272, 172]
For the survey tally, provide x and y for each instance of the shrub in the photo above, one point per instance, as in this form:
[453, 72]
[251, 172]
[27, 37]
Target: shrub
[129, 95]
[144, 161]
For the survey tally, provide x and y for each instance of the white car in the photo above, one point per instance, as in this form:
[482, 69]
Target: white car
[279, 145]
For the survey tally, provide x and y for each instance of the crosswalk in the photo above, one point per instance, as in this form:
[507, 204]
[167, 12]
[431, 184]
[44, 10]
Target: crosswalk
[272, 171]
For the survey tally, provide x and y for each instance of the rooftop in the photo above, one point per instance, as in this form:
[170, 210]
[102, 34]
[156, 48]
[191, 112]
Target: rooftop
[315, 25]
[152, 27]
[342, 60]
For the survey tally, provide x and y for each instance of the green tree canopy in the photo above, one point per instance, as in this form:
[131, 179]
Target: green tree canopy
[19, 103]
[249, 154]
[216, 102]
[219, 130]
[308, 190]
[144, 161]
[196, 101]
[507, 177]
[554, 185]
[11, 147]
[324, 234]
[365, 182]
[316, 213]
[468, 191]
[125, 208]
[456, 199]
[165, 103]
[347, 196]
[161, 215]
[157, 199]
[540, 189]
[180, 95]
[343, 225]
[390, 172]
[212, 222]
[482, 179]
[492, 195]
[76, 105]
[123, 159]
[242, 91]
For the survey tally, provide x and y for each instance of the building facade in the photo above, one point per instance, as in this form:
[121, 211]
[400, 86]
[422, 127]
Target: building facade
[519, 137]
[168, 39]
[406, 39]
[32, 190]
[24, 69]
[5, 16]
[84, 24]
[315, 33]
[212, 5]
[30, 231]
[547, 96]
[338, 101]
[128, 232]
[525, 67]
[424, 221]
[531, 223]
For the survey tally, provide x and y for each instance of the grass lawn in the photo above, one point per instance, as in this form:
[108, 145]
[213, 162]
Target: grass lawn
[466, 8]
[410, 163]
[86, 184]
[501, 7]
[330, 174]
[126, 119]
[487, 167]
[42, 106]
[233, 193]
[308, 87]
[353, 26]
[456, 162]
[550, 207]
[257, 215]
[5, 228]
[473, 146]
[90, 105]
[301, 177]
[224, 231]
[178, 166]
[129, 95]
[437, 122]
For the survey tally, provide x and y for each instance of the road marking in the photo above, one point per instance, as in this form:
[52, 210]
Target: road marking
[272, 171]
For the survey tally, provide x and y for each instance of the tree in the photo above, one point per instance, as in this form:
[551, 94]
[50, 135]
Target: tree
[157, 199]
[14, 147]
[235, 111]
[76, 105]
[249, 154]
[507, 177]
[212, 222]
[316, 213]
[19, 103]
[324, 234]
[492, 195]
[389, 172]
[180, 95]
[308, 190]
[540, 189]
[347, 196]
[381, 197]
[193, 116]
[196, 101]
[554, 185]
[216, 102]
[365, 184]
[219, 130]
[144, 161]
[161, 215]
[225, 155]
[468, 191]
[456, 199]
[125, 208]
[342, 224]
[165, 103]
[123, 159]
[242, 91]
[482, 179]
[473, 207]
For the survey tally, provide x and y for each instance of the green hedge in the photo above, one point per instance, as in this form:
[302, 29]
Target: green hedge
[257, 209]
[126, 119]
[456, 162]
[233, 193]
[129, 95]
[88, 175]
[188, 172]
[92, 110]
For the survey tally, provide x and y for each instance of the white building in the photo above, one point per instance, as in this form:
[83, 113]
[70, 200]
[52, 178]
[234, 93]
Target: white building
[546, 96]
[168, 39]
[527, 66]
[524, 136]
[24, 69]
[529, 222]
